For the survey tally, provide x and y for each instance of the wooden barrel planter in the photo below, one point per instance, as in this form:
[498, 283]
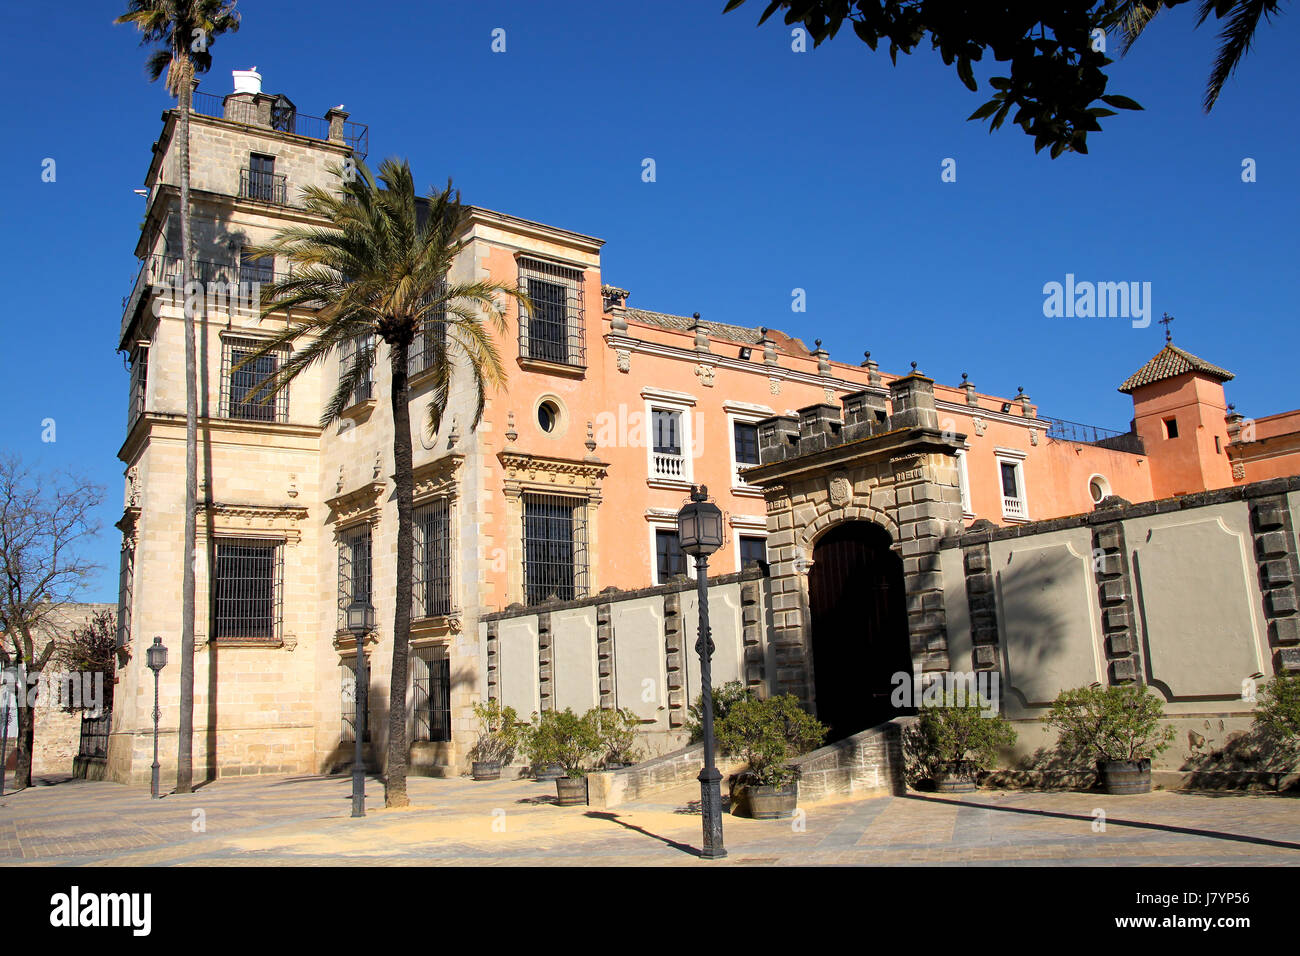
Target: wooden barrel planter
[772, 803]
[486, 769]
[553, 772]
[1123, 777]
[570, 792]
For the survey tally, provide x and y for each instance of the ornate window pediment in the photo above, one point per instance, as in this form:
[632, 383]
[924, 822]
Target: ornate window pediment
[274, 520]
[361, 504]
[535, 472]
[438, 478]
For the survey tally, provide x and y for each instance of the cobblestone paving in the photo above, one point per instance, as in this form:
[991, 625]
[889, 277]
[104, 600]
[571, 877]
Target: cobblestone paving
[306, 821]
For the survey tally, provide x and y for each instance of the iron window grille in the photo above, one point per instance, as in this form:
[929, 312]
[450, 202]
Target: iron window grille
[670, 560]
[348, 702]
[430, 339]
[241, 395]
[354, 570]
[247, 586]
[555, 548]
[552, 330]
[139, 383]
[431, 694]
[431, 594]
[352, 350]
[125, 595]
[94, 734]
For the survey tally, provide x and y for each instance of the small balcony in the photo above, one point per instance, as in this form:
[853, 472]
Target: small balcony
[262, 186]
[668, 466]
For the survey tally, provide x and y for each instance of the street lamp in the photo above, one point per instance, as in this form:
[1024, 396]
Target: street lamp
[361, 620]
[156, 660]
[699, 529]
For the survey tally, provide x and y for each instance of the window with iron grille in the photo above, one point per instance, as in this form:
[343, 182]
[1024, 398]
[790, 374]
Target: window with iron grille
[139, 382]
[430, 341]
[432, 559]
[431, 693]
[241, 395]
[670, 560]
[552, 331]
[354, 569]
[555, 548]
[351, 351]
[125, 594]
[348, 702]
[246, 586]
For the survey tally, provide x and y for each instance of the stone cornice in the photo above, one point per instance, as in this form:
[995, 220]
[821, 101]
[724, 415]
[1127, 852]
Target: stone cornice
[438, 477]
[129, 525]
[536, 471]
[360, 504]
[877, 449]
[263, 519]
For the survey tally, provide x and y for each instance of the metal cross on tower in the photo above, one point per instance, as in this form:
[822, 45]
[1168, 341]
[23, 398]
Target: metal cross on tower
[1165, 322]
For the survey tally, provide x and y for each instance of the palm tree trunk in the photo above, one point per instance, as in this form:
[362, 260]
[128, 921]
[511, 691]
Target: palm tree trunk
[185, 721]
[395, 789]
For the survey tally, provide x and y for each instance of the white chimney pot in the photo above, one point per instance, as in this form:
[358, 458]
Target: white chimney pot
[247, 81]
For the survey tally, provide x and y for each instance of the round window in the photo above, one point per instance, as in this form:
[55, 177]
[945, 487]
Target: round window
[548, 414]
[1099, 489]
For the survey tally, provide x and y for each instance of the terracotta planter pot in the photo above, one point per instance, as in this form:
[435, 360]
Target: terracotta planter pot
[772, 803]
[570, 792]
[486, 769]
[955, 776]
[1121, 777]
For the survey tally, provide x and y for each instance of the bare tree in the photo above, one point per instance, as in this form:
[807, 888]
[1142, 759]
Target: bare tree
[45, 522]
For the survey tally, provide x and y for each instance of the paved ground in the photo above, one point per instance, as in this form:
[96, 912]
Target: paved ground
[306, 821]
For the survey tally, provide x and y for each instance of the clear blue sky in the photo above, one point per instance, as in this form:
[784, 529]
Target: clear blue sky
[775, 170]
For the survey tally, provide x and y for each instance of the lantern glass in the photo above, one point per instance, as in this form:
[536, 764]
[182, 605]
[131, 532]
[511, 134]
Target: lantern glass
[156, 655]
[361, 617]
[700, 528]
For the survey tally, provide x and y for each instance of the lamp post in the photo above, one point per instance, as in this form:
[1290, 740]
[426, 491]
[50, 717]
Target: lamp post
[156, 660]
[361, 620]
[699, 528]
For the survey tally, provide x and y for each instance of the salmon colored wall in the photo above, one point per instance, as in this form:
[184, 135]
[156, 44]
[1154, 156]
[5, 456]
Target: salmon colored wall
[1056, 473]
[1269, 447]
[1190, 462]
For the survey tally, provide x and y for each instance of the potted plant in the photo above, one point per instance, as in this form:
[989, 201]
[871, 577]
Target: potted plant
[542, 767]
[562, 737]
[498, 736]
[723, 698]
[1119, 725]
[1276, 725]
[767, 734]
[617, 731]
[957, 740]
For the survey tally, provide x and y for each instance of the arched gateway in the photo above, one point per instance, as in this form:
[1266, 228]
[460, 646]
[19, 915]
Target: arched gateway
[857, 505]
[857, 612]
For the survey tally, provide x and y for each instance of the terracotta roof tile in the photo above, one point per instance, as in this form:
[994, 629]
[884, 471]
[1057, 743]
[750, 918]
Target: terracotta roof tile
[1170, 362]
[717, 330]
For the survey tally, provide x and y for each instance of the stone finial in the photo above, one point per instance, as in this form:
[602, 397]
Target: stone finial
[969, 388]
[590, 442]
[453, 436]
[615, 303]
[873, 369]
[701, 336]
[511, 433]
[823, 359]
[769, 347]
[1025, 410]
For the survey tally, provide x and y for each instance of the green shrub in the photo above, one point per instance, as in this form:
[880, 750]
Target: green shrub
[768, 734]
[1277, 720]
[957, 731]
[1119, 723]
[617, 731]
[498, 733]
[723, 697]
[562, 737]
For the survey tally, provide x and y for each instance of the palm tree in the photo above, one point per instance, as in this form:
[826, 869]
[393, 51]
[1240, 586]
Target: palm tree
[1234, 42]
[379, 267]
[183, 32]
